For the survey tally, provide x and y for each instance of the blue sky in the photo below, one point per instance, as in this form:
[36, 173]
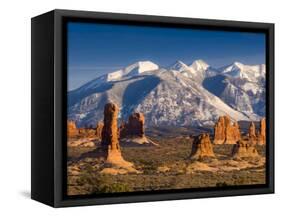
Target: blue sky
[95, 49]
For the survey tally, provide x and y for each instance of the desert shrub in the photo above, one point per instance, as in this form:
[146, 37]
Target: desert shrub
[221, 184]
[241, 180]
[113, 188]
[150, 167]
[98, 183]
[85, 177]
[105, 184]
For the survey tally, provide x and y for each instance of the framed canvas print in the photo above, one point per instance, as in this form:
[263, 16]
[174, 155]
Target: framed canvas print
[133, 108]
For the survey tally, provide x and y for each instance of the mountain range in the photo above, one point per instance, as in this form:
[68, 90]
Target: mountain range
[177, 95]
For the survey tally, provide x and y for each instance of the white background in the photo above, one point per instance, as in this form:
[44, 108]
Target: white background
[15, 106]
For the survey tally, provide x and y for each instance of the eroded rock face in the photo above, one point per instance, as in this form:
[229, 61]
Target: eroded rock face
[226, 132]
[202, 147]
[86, 132]
[134, 127]
[136, 124]
[123, 129]
[244, 149]
[219, 131]
[71, 129]
[252, 131]
[232, 133]
[133, 131]
[110, 128]
[98, 129]
[110, 142]
[237, 134]
[261, 137]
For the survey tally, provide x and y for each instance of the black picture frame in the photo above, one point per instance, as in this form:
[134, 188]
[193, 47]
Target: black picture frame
[48, 163]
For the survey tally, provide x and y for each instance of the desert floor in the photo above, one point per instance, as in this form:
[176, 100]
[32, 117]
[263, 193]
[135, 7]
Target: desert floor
[162, 167]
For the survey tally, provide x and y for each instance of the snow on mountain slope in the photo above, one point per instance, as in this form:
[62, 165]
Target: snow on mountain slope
[103, 82]
[134, 69]
[180, 66]
[238, 70]
[177, 100]
[197, 71]
[199, 65]
[240, 86]
[164, 96]
[182, 94]
[88, 110]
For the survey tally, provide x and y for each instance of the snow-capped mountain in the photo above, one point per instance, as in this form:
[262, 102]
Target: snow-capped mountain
[177, 95]
[131, 70]
[180, 66]
[197, 70]
[239, 70]
[199, 65]
[240, 86]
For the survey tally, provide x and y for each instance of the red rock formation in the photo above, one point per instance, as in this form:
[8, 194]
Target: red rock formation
[237, 134]
[134, 127]
[202, 147]
[132, 132]
[219, 131]
[225, 132]
[228, 131]
[123, 129]
[86, 132]
[252, 130]
[136, 124]
[261, 137]
[252, 134]
[98, 129]
[232, 133]
[71, 129]
[110, 136]
[110, 128]
[244, 149]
